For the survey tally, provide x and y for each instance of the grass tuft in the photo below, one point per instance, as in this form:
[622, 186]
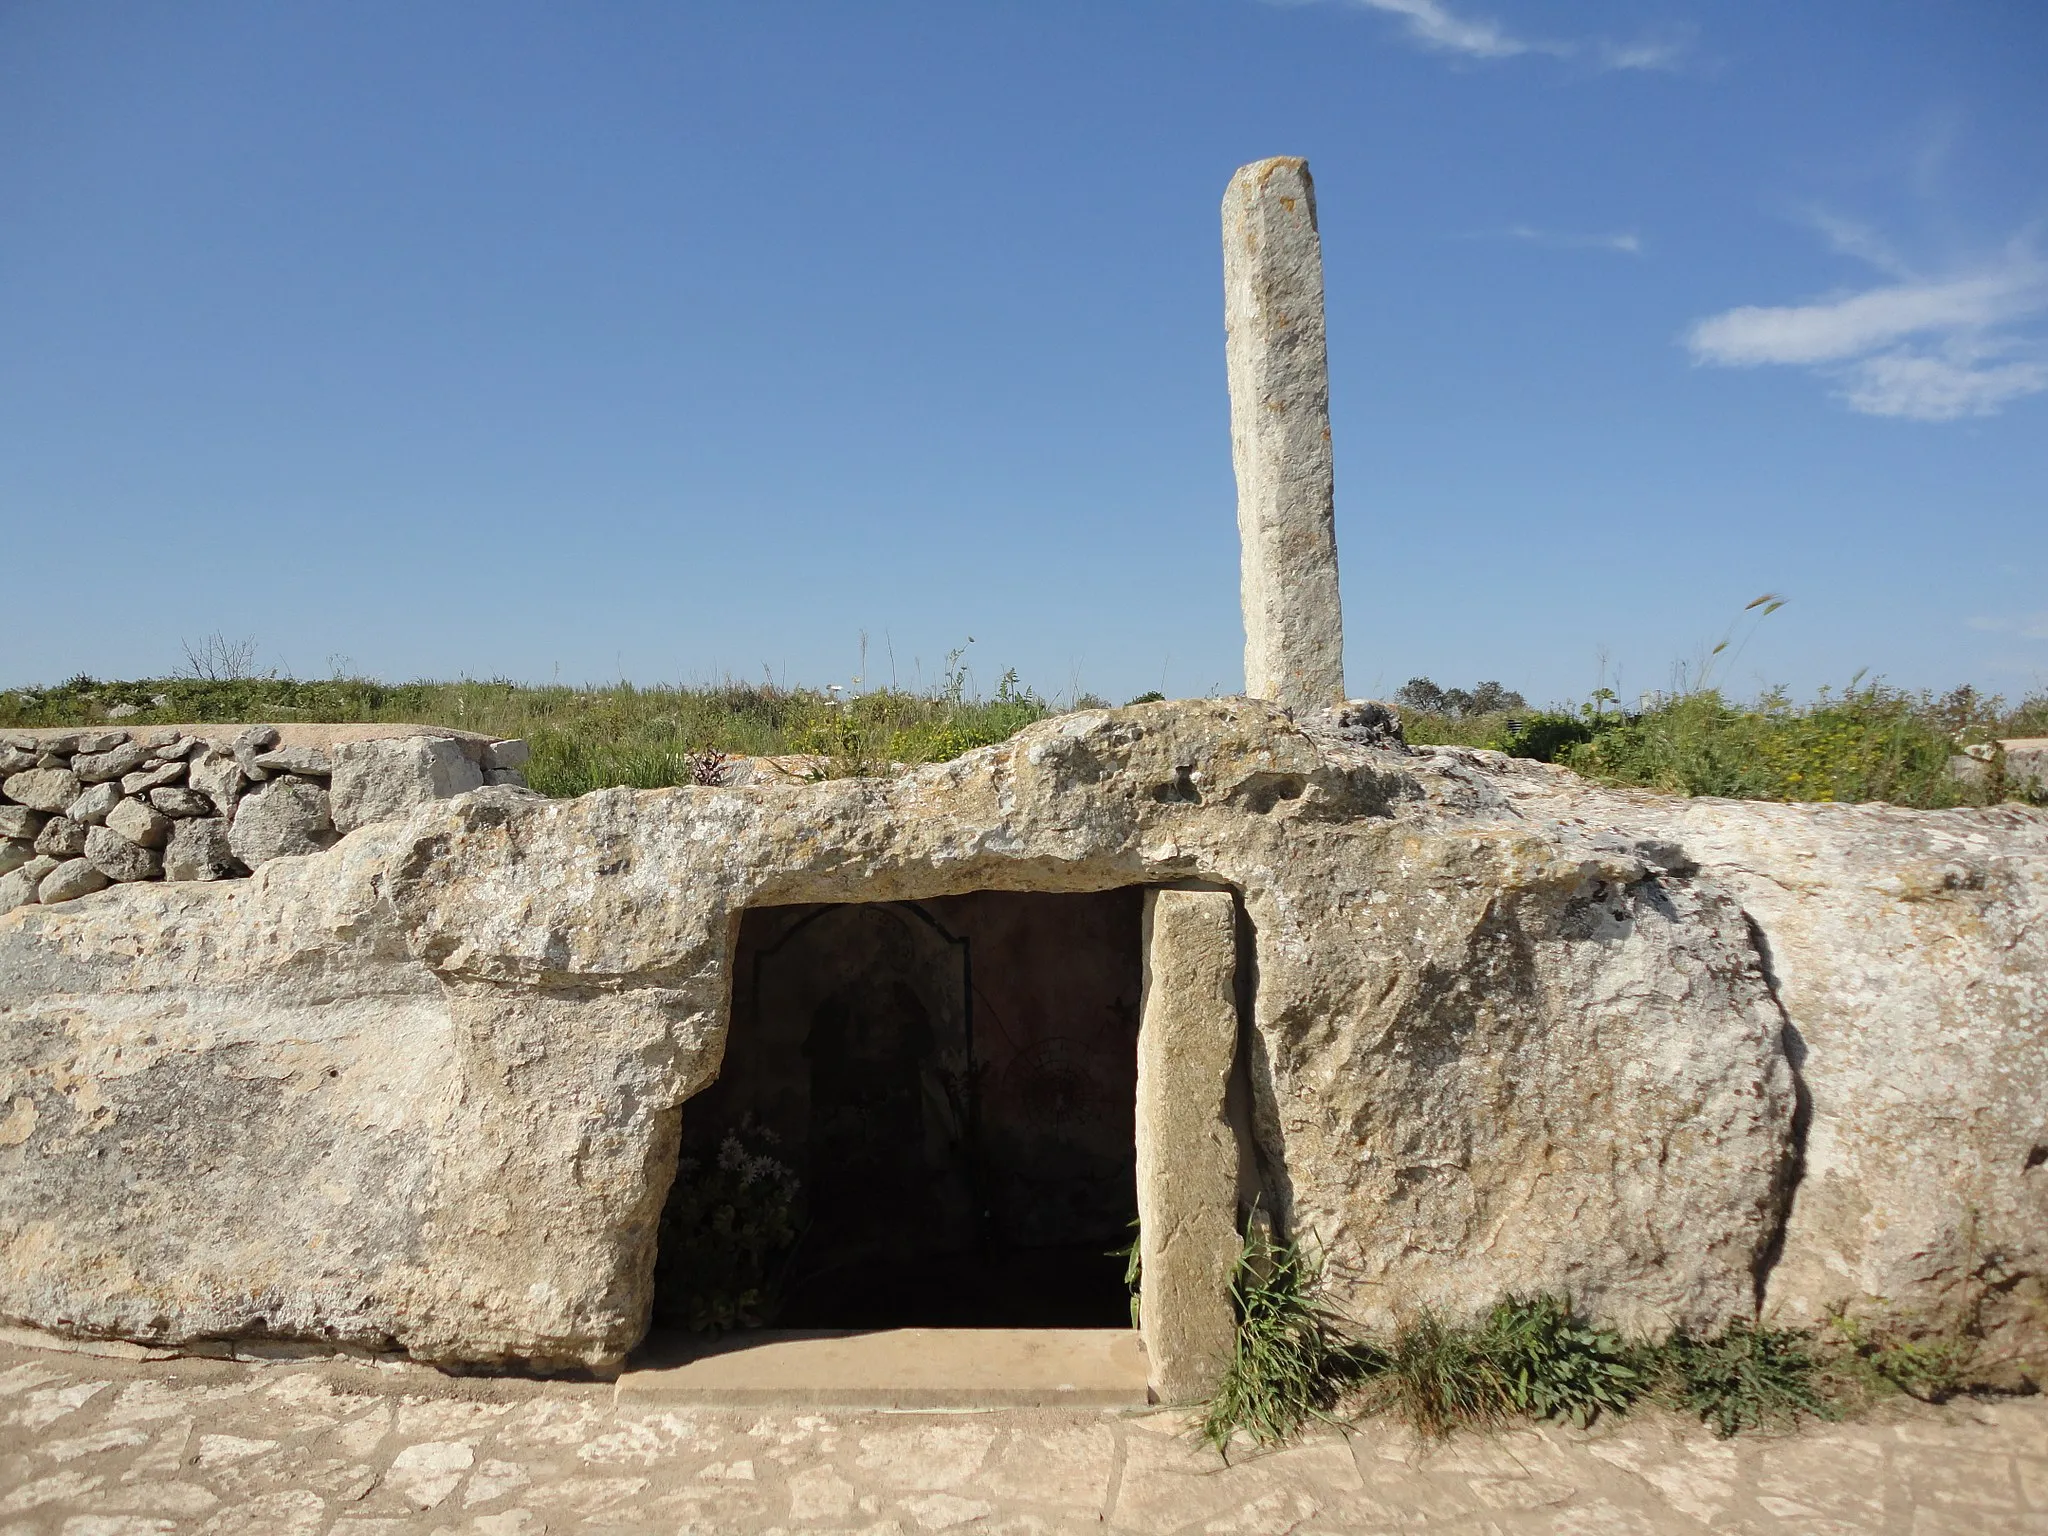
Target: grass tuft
[1292, 1362]
[1439, 1377]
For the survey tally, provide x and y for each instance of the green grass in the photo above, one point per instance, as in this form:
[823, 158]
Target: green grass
[1296, 1361]
[583, 738]
[1867, 742]
[1291, 1363]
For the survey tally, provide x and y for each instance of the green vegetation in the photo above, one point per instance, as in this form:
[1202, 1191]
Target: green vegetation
[1867, 742]
[1291, 1363]
[1745, 1377]
[1297, 1360]
[583, 738]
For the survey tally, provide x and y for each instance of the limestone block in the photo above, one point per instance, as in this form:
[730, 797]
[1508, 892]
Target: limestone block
[310, 761]
[378, 780]
[1280, 436]
[95, 741]
[199, 850]
[20, 821]
[218, 776]
[91, 808]
[96, 767]
[15, 852]
[17, 889]
[1187, 1151]
[281, 818]
[17, 760]
[507, 754]
[43, 789]
[62, 838]
[510, 777]
[117, 858]
[175, 800]
[70, 880]
[143, 780]
[250, 745]
[140, 822]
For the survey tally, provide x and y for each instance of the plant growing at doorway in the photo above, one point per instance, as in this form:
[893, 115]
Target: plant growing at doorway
[726, 1236]
[1292, 1362]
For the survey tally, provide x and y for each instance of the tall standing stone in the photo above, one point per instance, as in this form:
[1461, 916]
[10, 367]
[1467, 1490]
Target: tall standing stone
[1280, 436]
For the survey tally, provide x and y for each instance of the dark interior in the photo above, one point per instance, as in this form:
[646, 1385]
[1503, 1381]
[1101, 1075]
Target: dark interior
[950, 1087]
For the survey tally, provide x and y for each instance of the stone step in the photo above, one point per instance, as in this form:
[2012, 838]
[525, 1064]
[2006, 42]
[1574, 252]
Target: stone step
[889, 1368]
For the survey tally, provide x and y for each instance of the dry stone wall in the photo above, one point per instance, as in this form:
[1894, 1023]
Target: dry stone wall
[81, 810]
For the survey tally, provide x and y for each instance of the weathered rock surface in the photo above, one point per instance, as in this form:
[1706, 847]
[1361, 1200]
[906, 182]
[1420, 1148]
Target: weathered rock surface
[215, 774]
[250, 745]
[281, 818]
[62, 838]
[43, 789]
[306, 760]
[92, 806]
[1509, 1032]
[176, 800]
[119, 859]
[70, 880]
[199, 850]
[20, 821]
[1909, 951]
[15, 852]
[1280, 436]
[377, 780]
[96, 767]
[145, 779]
[140, 822]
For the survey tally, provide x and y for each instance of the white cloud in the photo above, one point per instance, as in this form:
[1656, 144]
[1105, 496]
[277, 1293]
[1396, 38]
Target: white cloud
[2030, 626]
[1628, 242]
[1435, 24]
[1432, 23]
[1925, 349]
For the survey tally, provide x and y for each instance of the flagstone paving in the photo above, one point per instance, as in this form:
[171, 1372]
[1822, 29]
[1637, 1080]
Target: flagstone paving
[91, 1446]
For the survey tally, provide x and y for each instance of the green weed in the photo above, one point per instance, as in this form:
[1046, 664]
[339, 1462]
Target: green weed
[1556, 1365]
[1744, 1378]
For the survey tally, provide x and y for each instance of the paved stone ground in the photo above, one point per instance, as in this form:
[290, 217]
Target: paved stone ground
[98, 1447]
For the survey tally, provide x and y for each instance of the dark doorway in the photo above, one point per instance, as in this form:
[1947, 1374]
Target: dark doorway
[924, 1117]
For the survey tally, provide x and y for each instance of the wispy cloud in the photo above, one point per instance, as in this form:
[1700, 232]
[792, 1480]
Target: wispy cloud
[1434, 24]
[1627, 242]
[2028, 626]
[1924, 348]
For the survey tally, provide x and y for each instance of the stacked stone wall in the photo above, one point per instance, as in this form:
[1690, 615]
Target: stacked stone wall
[81, 810]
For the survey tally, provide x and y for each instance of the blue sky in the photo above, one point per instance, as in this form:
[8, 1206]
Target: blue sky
[689, 339]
